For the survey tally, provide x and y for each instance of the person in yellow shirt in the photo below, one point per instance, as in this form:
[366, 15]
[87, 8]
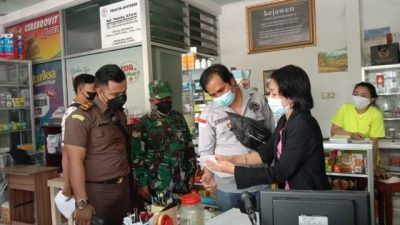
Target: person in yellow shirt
[361, 119]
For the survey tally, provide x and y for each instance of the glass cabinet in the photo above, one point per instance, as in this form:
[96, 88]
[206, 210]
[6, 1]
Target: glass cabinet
[386, 79]
[16, 105]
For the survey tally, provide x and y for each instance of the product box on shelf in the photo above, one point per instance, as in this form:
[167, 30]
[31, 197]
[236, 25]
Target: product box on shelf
[345, 162]
[20, 48]
[191, 60]
[385, 54]
[11, 51]
[2, 46]
[25, 93]
[184, 58]
[343, 183]
[3, 100]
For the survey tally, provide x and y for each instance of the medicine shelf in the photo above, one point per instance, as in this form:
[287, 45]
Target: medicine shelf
[347, 146]
[347, 175]
[15, 108]
[392, 119]
[387, 94]
[367, 148]
[14, 85]
[14, 131]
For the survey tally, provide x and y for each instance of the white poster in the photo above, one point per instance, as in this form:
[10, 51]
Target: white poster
[129, 60]
[120, 23]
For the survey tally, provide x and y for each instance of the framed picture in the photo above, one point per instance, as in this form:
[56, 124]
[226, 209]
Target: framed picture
[267, 78]
[280, 25]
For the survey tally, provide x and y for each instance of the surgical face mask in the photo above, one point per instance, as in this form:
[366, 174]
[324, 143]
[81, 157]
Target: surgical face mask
[225, 99]
[116, 102]
[275, 104]
[90, 95]
[360, 102]
[164, 107]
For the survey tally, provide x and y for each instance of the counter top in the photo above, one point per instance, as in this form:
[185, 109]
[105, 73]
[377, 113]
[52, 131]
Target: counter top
[231, 217]
[26, 170]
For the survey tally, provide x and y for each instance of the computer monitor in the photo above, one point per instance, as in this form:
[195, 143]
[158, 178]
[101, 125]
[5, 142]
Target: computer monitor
[284, 207]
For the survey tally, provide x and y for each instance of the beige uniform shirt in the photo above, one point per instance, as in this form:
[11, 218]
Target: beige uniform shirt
[106, 155]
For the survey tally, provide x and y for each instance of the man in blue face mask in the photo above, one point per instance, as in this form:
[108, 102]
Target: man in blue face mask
[214, 128]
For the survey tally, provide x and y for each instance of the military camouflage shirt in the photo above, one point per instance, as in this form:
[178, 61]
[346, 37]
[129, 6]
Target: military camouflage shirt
[162, 152]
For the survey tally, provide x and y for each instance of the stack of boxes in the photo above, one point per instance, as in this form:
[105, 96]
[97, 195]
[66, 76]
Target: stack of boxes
[7, 101]
[11, 46]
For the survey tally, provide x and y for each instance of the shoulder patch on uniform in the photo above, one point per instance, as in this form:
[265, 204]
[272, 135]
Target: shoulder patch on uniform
[79, 117]
[85, 107]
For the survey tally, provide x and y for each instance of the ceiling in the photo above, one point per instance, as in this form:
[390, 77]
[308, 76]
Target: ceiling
[8, 6]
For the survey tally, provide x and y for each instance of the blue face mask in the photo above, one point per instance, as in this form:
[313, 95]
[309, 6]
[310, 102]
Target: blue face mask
[226, 99]
[275, 104]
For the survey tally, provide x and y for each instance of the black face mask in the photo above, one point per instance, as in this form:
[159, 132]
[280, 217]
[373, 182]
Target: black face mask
[91, 95]
[164, 107]
[117, 102]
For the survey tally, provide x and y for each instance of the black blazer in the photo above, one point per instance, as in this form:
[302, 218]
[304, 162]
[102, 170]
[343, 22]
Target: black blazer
[302, 162]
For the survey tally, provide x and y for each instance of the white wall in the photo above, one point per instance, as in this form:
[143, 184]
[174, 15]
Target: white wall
[382, 13]
[337, 26]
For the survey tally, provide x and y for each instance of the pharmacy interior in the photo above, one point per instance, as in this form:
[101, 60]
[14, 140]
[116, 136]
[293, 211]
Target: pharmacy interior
[45, 44]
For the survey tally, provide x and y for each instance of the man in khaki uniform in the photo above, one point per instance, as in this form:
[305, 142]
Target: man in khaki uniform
[85, 91]
[97, 150]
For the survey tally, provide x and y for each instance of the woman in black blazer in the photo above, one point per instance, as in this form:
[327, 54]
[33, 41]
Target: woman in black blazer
[294, 155]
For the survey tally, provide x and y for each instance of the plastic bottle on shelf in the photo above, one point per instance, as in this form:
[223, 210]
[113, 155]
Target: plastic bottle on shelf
[380, 82]
[197, 64]
[209, 62]
[203, 63]
[8, 100]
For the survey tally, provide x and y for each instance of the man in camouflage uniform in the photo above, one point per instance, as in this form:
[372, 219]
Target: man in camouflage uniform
[162, 149]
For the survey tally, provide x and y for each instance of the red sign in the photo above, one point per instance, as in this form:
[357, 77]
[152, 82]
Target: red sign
[40, 37]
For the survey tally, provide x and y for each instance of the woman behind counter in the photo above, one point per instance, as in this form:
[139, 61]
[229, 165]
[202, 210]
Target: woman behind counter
[294, 156]
[361, 119]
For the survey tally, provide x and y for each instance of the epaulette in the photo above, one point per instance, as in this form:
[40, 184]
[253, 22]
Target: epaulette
[86, 106]
[75, 104]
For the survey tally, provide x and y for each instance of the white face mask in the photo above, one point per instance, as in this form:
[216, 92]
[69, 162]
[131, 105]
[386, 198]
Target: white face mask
[275, 104]
[360, 102]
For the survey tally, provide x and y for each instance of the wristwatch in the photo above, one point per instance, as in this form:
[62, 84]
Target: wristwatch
[81, 203]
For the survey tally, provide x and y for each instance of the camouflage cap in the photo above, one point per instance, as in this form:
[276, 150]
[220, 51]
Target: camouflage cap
[159, 89]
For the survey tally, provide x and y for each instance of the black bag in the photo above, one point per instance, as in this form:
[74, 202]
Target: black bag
[250, 132]
[20, 157]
